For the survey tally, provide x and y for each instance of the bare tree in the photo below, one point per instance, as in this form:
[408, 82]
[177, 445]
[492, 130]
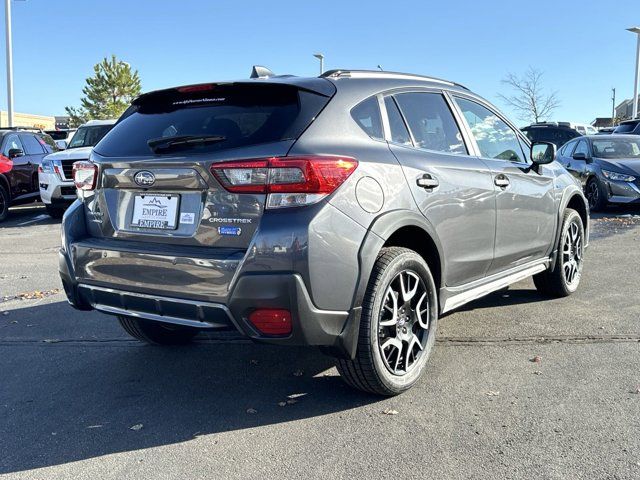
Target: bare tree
[529, 100]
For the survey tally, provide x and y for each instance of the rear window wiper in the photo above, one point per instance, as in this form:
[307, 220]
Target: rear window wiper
[165, 143]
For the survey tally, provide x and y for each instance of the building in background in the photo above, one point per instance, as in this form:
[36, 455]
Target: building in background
[624, 110]
[28, 120]
[62, 122]
[602, 122]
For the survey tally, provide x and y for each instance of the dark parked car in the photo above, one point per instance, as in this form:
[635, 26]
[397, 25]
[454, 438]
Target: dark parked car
[21, 152]
[608, 168]
[557, 133]
[631, 127]
[346, 211]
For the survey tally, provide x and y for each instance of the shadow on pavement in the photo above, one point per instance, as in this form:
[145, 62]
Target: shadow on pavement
[28, 214]
[71, 399]
[504, 297]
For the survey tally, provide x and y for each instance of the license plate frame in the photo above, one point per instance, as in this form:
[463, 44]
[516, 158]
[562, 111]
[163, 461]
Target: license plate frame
[149, 215]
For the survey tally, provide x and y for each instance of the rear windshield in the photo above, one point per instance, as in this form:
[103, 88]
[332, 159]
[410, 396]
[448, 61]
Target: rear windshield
[89, 136]
[557, 136]
[626, 127]
[57, 134]
[238, 114]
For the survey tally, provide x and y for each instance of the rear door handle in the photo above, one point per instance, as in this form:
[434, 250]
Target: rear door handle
[427, 182]
[501, 181]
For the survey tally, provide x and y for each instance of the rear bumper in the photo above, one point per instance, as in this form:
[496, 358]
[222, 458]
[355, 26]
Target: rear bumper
[334, 330]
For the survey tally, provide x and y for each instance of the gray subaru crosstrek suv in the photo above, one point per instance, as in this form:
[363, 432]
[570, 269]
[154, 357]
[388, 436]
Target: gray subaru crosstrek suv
[346, 211]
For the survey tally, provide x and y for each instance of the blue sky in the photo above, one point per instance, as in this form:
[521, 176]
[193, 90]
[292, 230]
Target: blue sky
[582, 47]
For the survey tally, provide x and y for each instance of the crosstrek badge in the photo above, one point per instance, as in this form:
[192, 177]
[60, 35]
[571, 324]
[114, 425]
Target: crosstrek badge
[187, 218]
[233, 231]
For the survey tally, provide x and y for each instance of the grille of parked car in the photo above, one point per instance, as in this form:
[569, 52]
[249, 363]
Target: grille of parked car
[67, 168]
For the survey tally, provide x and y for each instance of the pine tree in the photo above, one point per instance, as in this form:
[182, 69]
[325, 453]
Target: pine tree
[107, 93]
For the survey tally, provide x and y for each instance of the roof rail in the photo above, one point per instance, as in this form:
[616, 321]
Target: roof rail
[30, 129]
[384, 74]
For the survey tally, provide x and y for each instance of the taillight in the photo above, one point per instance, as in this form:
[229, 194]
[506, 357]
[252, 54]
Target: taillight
[271, 321]
[85, 175]
[288, 181]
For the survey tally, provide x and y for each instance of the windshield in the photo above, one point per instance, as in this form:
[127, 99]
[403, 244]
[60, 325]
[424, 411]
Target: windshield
[616, 148]
[211, 118]
[558, 136]
[89, 136]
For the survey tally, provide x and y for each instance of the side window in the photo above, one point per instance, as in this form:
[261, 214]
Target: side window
[494, 137]
[47, 143]
[367, 116]
[582, 148]
[567, 150]
[11, 143]
[31, 145]
[399, 132]
[431, 122]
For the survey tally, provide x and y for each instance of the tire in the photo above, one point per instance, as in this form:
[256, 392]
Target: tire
[54, 212]
[5, 201]
[157, 333]
[388, 370]
[596, 195]
[564, 279]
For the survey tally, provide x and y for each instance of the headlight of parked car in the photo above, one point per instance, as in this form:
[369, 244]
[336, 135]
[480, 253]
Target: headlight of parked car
[46, 166]
[621, 177]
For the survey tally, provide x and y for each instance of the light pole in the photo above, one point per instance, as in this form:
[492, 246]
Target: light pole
[636, 30]
[320, 57]
[7, 16]
[613, 107]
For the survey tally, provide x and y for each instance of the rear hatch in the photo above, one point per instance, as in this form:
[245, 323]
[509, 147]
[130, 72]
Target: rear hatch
[155, 180]
[157, 210]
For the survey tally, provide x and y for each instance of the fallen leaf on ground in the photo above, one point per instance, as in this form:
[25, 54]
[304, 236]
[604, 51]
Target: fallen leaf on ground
[492, 393]
[94, 426]
[537, 372]
[536, 359]
[389, 411]
[136, 427]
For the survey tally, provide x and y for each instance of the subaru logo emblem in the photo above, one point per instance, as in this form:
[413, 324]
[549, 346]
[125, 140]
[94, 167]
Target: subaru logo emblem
[144, 178]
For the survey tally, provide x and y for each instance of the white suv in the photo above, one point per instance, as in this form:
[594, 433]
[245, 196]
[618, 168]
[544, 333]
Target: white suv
[55, 173]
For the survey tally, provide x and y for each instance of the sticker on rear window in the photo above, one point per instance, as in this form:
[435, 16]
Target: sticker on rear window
[187, 218]
[233, 231]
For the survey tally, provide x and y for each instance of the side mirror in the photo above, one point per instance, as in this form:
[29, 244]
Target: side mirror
[543, 153]
[579, 156]
[15, 152]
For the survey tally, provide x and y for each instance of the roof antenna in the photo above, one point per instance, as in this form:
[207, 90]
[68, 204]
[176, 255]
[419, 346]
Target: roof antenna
[380, 68]
[258, 71]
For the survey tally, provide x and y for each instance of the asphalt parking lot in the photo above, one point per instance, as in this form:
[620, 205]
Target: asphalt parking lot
[518, 387]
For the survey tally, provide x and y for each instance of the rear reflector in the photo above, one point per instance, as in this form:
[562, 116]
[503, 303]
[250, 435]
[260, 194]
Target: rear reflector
[85, 175]
[271, 321]
[289, 181]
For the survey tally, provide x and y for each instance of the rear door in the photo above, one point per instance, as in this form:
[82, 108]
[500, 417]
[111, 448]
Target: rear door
[526, 212]
[19, 173]
[452, 188]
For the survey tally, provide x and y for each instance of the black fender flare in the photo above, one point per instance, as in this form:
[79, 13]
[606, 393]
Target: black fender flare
[379, 232]
[569, 194]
